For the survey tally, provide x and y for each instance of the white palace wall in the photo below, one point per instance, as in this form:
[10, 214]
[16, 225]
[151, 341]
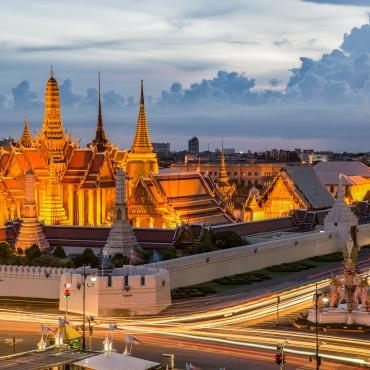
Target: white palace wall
[30, 281]
[44, 282]
[204, 267]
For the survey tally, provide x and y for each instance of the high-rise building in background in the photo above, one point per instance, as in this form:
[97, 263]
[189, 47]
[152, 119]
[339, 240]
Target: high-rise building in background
[193, 145]
[162, 148]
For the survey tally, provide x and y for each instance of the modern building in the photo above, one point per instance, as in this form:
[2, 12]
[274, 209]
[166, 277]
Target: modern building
[162, 148]
[193, 146]
[7, 142]
[247, 174]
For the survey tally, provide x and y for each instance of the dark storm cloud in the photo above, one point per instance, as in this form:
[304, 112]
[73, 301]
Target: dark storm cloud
[341, 2]
[275, 82]
[112, 100]
[24, 98]
[67, 96]
[81, 45]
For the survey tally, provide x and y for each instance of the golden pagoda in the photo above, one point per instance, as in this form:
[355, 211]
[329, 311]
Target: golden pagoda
[141, 160]
[26, 139]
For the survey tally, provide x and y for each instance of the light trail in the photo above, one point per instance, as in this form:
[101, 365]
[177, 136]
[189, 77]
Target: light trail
[218, 326]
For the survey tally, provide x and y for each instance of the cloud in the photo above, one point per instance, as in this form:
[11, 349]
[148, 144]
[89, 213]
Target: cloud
[275, 81]
[281, 42]
[230, 87]
[341, 2]
[67, 97]
[357, 41]
[24, 98]
[112, 100]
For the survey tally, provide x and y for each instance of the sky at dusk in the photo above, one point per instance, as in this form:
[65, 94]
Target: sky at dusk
[260, 73]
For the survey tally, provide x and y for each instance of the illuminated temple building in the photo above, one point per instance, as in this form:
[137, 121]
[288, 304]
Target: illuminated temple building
[76, 186]
[294, 187]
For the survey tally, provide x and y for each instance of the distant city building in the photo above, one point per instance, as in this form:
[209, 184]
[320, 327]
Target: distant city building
[322, 156]
[246, 174]
[6, 141]
[227, 151]
[162, 148]
[193, 145]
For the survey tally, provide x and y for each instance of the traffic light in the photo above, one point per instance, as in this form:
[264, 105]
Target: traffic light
[278, 358]
[67, 293]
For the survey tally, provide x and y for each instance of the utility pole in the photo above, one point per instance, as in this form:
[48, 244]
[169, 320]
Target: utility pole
[83, 308]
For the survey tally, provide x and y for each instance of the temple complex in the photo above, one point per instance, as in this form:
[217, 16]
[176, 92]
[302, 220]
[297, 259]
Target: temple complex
[76, 186]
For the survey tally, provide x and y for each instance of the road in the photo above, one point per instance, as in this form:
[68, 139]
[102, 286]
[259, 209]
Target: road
[221, 335]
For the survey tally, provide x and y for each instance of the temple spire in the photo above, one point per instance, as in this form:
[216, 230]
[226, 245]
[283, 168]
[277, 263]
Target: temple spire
[26, 138]
[52, 127]
[223, 178]
[142, 143]
[101, 142]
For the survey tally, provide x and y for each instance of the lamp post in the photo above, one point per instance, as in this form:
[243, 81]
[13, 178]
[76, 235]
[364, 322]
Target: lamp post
[325, 300]
[84, 284]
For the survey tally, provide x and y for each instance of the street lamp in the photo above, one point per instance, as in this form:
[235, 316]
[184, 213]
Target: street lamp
[84, 284]
[325, 299]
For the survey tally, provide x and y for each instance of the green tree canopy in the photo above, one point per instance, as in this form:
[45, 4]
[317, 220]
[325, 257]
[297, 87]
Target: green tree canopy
[32, 252]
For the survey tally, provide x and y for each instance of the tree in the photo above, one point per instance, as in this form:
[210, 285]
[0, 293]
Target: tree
[59, 252]
[6, 250]
[227, 239]
[32, 252]
[88, 258]
[119, 260]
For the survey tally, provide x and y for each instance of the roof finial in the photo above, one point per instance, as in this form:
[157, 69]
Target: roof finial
[142, 93]
[341, 191]
[223, 178]
[142, 143]
[51, 71]
[100, 118]
[101, 142]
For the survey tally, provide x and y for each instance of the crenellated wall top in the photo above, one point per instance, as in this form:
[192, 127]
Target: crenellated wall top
[33, 271]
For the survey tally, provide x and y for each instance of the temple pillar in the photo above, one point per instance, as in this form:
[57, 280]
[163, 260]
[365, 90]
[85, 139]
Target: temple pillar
[80, 207]
[103, 209]
[98, 207]
[90, 215]
[151, 222]
[71, 210]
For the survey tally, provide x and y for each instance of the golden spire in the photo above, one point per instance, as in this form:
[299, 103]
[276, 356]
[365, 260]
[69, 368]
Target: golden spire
[26, 138]
[101, 142]
[142, 143]
[223, 178]
[52, 127]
